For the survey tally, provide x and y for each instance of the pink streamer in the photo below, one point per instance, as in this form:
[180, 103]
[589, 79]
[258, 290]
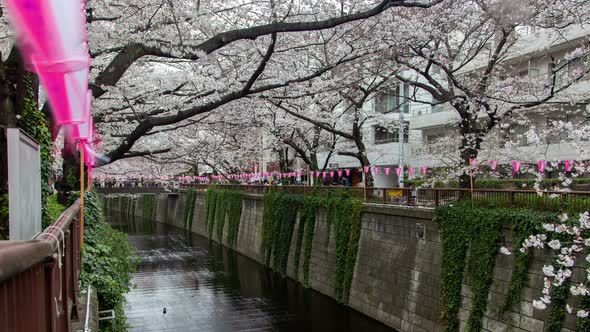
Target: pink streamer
[516, 166]
[424, 170]
[493, 164]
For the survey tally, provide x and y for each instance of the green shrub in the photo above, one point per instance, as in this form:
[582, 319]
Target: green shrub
[108, 263]
[54, 209]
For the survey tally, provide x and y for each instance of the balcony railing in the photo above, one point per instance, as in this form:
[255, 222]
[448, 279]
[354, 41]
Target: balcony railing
[39, 278]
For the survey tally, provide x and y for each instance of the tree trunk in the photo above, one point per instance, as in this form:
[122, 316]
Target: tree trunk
[471, 139]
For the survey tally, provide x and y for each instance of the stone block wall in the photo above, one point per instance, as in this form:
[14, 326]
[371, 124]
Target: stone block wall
[397, 273]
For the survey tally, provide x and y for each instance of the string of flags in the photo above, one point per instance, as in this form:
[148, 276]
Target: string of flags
[375, 170]
[517, 165]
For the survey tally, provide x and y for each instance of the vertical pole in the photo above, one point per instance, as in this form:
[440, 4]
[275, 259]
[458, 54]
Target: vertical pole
[471, 178]
[81, 195]
[364, 181]
[400, 160]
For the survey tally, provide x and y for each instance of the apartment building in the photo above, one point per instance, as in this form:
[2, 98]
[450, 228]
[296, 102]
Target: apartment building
[431, 136]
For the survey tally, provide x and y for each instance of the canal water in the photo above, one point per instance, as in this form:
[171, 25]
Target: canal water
[207, 287]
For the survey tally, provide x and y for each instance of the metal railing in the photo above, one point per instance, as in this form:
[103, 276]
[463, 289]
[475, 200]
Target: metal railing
[39, 278]
[420, 197]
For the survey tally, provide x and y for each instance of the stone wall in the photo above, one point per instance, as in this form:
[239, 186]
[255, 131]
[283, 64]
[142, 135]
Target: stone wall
[397, 274]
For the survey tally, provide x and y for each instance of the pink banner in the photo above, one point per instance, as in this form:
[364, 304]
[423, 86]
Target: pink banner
[324, 174]
[347, 171]
[493, 164]
[376, 170]
[340, 173]
[332, 174]
[387, 170]
[569, 164]
[424, 170]
[411, 171]
[367, 169]
[398, 171]
[516, 166]
[541, 165]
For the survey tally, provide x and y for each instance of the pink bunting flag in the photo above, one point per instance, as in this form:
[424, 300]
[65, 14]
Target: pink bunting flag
[516, 166]
[332, 174]
[398, 171]
[473, 162]
[411, 171]
[340, 173]
[493, 164]
[424, 170]
[367, 169]
[387, 170]
[376, 170]
[569, 164]
[324, 174]
[311, 173]
[541, 165]
[347, 171]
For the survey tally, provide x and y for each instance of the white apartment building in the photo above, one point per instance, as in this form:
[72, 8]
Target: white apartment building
[528, 139]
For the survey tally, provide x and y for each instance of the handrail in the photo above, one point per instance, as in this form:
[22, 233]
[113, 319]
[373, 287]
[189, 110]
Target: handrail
[41, 276]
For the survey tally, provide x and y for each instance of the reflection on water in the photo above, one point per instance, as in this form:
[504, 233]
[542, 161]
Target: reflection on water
[206, 287]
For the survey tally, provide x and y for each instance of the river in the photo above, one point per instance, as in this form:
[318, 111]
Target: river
[207, 287]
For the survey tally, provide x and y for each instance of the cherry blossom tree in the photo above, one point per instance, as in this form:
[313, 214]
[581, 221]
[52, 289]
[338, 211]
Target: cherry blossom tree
[468, 61]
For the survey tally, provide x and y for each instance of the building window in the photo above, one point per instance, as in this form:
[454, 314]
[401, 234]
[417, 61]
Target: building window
[395, 100]
[384, 135]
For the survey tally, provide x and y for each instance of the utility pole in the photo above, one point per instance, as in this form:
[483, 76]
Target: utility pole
[400, 159]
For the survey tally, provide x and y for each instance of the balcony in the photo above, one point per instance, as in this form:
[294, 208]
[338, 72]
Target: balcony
[432, 120]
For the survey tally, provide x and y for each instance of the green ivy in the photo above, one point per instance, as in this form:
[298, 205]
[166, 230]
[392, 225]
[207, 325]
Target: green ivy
[54, 209]
[220, 213]
[234, 214]
[224, 205]
[479, 230]
[348, 235]
[484, 234]
[279, 217]
[309, 217]
[524, 224]
[148, 207]
[189, 208]
[557, 311]
[454, 252]
[211, 205]
[108, 263]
